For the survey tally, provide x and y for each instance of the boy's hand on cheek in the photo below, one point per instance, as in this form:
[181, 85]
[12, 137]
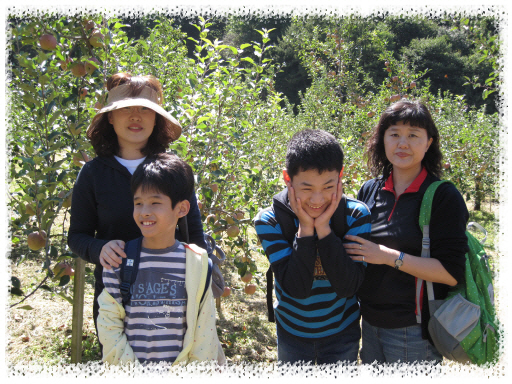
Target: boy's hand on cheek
[306, 222]
[322, 222]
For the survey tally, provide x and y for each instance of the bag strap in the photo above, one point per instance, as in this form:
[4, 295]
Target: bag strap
[194, 248]
[183, 228]
[208, 277]
[288, 229]
[424, 221]
[130, 268]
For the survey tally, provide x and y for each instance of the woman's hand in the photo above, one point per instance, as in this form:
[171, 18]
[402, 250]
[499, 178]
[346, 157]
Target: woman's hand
[111, 254]
[365, 250]
[426, 268]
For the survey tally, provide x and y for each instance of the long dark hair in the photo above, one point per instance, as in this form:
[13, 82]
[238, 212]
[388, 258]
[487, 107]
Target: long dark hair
[415, 114]
[101, 132]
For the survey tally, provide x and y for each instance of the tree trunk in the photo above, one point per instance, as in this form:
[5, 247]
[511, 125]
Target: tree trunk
[479, 194]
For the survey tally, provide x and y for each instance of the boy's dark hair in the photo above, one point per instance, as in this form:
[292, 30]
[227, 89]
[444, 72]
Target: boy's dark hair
[416, 114]
[313, 149]
[167, 174]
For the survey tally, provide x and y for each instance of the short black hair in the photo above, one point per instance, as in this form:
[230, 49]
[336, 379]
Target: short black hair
[167, 174]
[313, 149]
[416, 114]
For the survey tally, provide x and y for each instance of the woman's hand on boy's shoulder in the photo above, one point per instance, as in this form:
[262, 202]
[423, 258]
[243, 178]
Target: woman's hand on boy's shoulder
[112, 253]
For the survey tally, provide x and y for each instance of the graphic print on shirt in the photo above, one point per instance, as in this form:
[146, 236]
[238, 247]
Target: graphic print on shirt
[154, 289]
[319, 273]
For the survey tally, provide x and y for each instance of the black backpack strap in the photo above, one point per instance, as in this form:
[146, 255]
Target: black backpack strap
[288, 228]
[208, 277]
[370, 195]
[130, 268]
[270, 288]
[183, 228]
[339, 218]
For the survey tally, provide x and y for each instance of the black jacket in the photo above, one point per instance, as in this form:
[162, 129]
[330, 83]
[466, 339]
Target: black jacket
[296, 273]
[315, 280]
[387, 295]
[102, 210]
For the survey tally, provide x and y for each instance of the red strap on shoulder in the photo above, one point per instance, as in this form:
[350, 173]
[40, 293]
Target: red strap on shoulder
[193, 249]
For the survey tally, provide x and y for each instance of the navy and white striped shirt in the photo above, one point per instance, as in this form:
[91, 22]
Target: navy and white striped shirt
[315, 280]
[155, 321]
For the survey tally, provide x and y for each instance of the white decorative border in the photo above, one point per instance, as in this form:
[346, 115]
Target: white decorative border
[272, 372]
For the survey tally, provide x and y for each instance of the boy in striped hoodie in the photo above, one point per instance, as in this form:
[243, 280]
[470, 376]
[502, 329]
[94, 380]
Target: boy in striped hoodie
[317, 313]
[170, 316]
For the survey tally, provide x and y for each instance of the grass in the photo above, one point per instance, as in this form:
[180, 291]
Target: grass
[43, 334]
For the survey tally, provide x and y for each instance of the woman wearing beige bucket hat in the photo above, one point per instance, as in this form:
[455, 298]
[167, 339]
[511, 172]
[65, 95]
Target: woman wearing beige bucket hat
[130, 127]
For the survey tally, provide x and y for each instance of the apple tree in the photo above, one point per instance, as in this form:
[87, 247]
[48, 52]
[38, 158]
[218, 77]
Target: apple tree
[233, 136]
[57, 69]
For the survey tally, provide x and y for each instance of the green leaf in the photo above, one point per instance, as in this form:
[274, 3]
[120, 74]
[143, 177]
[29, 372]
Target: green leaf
[16, 283]
[64, 280]
[26, 307]
[68, 299]
[53, 251]
[46, 288]
[44, 79]
[17, 292]
[247, 59]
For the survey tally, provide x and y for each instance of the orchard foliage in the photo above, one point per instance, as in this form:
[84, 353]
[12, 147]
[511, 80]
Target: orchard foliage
[224, 103]
[232, 136]
[53, 91]
[235, 124]
[342, 99]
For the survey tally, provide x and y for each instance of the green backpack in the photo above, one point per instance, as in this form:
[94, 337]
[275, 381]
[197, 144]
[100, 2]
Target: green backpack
[463, 326]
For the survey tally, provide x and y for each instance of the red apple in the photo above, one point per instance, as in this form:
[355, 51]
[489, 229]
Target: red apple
[247, 277]
[227, 292]
[250, 289]
[233, 231]
[88, 24]
[96, 39]
[36, 241]
[91, 67]
[78, 69]
[64, 63]
[48, 42]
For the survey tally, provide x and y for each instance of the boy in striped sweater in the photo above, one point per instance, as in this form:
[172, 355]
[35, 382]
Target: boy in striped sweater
[317, 313]
[169, 317]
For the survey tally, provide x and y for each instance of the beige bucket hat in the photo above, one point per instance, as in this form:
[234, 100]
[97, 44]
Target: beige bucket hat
[120, 97]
